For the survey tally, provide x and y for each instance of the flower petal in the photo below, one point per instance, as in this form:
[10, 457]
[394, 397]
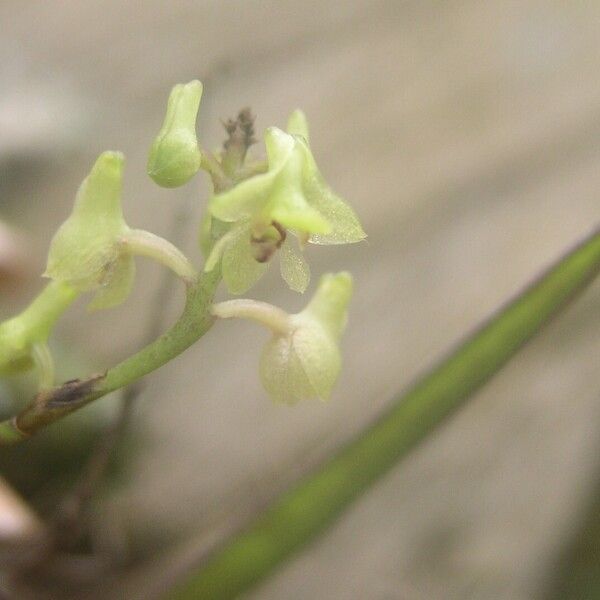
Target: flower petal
[118, 284]
[248, 198]
[298, 125]
[320, 358]
[300, 366]
[296, 215]
[279, 145]
[329, 305]
[345, 226]
[294, 268]
[243, 200]
[222, 243]
[240, 270]
[288, 205]
[282, 374]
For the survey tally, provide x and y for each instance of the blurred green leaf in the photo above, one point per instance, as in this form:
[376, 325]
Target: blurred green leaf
[308, 508]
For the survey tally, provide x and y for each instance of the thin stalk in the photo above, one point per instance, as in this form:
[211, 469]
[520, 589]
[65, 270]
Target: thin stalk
[272, 317]
[71, 520]
[51, 405]
[144, 243]
[314, 503]
[213, 167]
[32, 327]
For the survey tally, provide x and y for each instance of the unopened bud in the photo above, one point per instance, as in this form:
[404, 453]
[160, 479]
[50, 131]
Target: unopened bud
[175, 156]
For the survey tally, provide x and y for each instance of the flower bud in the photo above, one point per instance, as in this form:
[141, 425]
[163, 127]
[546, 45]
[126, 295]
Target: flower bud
[175, 156]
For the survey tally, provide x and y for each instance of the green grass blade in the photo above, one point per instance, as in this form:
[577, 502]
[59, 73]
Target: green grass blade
[308, 508]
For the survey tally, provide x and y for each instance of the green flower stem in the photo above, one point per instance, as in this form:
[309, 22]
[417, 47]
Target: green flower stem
[51, 405]
[144, 243]
[307, 509]
[272, 317]
[213, 167]
[20, 334]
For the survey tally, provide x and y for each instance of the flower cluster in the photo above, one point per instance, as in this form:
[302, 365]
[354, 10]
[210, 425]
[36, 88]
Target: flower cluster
[258, 210]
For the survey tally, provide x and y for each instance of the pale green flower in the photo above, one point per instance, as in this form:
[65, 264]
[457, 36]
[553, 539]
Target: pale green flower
[306, 361]
[93, 249]
[302, 359]
[86, 251]
[291, 196]
[175, 156]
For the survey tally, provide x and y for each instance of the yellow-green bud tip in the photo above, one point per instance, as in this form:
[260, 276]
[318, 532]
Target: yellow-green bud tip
[109, 164]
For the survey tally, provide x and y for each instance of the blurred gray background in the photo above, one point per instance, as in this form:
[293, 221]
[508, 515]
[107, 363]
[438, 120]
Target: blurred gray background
[467, 136]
